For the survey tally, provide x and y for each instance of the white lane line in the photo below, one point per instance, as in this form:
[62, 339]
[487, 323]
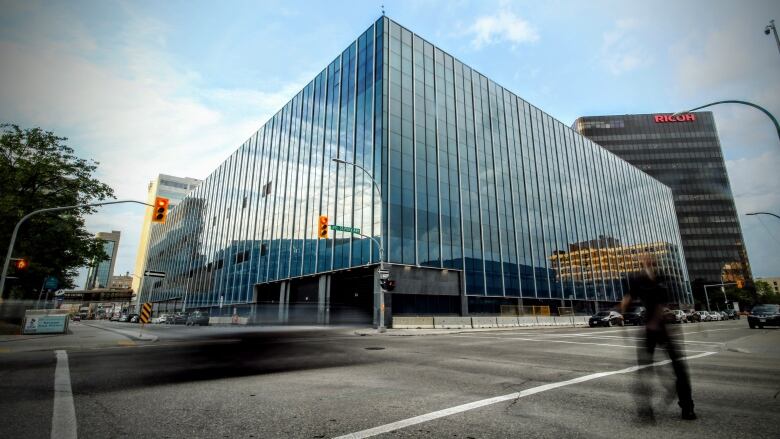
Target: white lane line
[546, 340]
[485, 402]
[63, 420]
[642, 338]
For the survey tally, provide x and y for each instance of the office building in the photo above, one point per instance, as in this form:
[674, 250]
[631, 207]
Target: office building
[479, 189]
[684, 153]
[100, 272]
[167, 186]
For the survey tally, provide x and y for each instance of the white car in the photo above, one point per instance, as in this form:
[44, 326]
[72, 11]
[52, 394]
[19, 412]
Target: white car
[715, 316]
[705, 316]
[162, 318]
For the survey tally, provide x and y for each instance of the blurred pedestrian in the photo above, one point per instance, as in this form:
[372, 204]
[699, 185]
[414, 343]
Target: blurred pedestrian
[648, 286]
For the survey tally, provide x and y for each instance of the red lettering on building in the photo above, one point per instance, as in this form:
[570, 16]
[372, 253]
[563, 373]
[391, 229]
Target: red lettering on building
[663, 118]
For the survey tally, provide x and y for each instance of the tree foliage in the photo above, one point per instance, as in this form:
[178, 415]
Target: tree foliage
[38, 170]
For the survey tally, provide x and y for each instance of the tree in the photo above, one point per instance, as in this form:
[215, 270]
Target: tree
[38, 170]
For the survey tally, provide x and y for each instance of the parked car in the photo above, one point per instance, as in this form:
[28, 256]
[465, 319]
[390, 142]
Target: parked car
[178, 318]
[764, 315]
[606, 318]
[162, 318]
[635, 316]
[693, 316]
[133, 318]
[675, 316]
[124, 318]
[731, 314]
[200, 318]
[75, 318]
[715, 316]
[115, 317]
[704, 316]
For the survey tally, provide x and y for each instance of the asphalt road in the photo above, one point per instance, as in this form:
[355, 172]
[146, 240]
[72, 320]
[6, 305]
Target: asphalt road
[314, 383]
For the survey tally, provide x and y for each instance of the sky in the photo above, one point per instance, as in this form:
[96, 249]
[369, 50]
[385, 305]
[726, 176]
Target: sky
[174, 87]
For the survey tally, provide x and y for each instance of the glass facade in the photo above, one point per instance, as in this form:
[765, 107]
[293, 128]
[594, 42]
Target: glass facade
[684, 153]
[99, 274]
[474, 180]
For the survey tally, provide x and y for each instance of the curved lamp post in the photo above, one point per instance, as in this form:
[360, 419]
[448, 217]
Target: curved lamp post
[731, 101]
[380, 243]
[763, 213]
[50, 209]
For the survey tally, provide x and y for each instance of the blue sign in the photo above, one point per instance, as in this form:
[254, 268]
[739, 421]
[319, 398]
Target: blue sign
[50, 283]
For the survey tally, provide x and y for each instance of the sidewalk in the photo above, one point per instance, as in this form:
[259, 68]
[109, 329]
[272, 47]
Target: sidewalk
[419, 332]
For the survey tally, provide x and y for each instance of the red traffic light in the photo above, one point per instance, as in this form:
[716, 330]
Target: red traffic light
[21, 264]
[160, 210]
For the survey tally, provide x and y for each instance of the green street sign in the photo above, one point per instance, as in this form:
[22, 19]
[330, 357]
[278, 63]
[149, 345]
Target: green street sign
[51, 283]
[344, 229]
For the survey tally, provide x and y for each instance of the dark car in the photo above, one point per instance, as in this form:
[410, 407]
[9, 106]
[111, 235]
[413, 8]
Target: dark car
[124, 318]
[132, 318]
[178, 318]
[731, 314]
[200, 318]
[635, 316]
[606, 318]
[692, 315]
[764, 315]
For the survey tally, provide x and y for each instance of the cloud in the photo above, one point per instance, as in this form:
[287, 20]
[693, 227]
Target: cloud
[503, 26]
[125, 102]
[620, 52]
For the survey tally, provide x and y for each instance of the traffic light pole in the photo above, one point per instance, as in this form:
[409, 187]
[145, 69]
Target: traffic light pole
[380, 244]
[35, 212]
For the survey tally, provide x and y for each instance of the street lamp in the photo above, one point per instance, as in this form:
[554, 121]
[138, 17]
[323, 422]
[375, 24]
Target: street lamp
[768, 30]
[763, 213]
[380, 244]
[777, 126]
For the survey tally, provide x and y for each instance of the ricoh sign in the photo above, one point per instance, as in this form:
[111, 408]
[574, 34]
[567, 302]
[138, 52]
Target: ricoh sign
[666, 118]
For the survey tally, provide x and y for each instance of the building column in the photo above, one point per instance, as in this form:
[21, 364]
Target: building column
[323, 299]
[377, 292]
[284, 301]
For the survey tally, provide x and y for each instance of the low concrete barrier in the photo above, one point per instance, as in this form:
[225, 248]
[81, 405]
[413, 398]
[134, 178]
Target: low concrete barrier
[483, 322]
[452, 322]
[230, 320]
[413, 322]
[505, 322]
[527, 321]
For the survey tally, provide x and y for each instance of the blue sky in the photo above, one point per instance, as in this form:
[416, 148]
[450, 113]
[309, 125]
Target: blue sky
[174, 87]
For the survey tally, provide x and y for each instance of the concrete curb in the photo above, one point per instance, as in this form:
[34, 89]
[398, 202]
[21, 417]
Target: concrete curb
[127, 333]
[427, 332]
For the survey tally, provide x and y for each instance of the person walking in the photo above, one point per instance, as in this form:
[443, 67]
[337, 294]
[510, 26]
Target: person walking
[648, 286]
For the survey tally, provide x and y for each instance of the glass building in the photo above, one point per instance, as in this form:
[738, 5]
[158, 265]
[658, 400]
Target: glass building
[482, 196]
[684, 153]
[99, 273]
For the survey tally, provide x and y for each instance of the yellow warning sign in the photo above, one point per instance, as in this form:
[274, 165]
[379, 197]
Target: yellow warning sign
[146, 313]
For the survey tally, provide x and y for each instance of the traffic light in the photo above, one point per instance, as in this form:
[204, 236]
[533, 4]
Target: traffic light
[322, 231]
[160, 210]
[22, 264]
[740, 283]
[387, 284]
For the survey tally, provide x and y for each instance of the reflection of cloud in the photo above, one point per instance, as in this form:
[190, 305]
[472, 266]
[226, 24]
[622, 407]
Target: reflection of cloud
[501, 26]
[620, 52]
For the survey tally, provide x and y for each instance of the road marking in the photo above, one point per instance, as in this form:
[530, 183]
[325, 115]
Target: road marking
[490, 401]
[63, 420]
[546, 340]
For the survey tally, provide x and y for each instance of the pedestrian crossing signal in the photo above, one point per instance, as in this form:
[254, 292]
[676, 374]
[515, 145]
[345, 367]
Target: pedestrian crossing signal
[323, 227]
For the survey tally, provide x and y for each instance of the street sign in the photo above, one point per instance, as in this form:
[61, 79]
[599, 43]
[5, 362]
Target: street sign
[50, 283]
[146, 313]
[384, 274]
[151, 273]
[344, 229]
